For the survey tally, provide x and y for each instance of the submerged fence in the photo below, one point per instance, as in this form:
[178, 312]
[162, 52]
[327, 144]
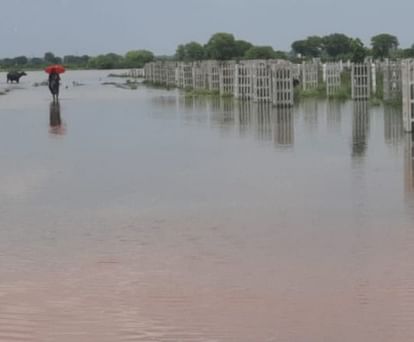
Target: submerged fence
[408, 94]
[264, 81]
[273, 81]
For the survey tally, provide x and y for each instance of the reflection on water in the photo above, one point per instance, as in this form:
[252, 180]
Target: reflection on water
[55, 121]
[264, 121]
[244, 116]
[261, 120]
[409, 164]
[393, 126]
[404, 283]
[334, 115]
[221, 112]
[284, 134]
[310, 109]
[360, 129]
[181, 218]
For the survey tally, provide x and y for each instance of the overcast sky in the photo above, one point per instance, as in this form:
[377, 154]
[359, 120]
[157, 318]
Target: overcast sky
[32, 27]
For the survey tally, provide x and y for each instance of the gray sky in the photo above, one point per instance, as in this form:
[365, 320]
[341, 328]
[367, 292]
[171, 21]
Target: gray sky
[32, 27]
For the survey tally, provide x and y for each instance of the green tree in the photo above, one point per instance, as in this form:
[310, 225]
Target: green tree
[337, 44]
[76, 61]
[221, 46]
[51, 58]
[407, 53]
[36, 61]
[310, 47]
[108, 61]
[382, 44]
[192, 51]
[195, 51]
[21, 60]
[180, 53]
[315, 45]
[71, 59]
[242, 47]
[260, 52]
[281, 55]
[359, 52]
[85, 59]
[6, 62]
[138, 58]
[299, 47]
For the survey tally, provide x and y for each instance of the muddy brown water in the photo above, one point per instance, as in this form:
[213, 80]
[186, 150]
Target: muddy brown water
[144, 215]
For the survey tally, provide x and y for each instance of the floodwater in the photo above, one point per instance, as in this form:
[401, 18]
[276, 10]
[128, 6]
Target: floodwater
[143, 215]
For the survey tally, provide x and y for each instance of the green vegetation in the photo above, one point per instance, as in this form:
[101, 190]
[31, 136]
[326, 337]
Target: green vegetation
[379, 91]
[403, 53]
[221, 46]
[242, 47]
[337, 45]
[119, 75]
[263, 52]
[202, 92]
[319, 92]
[344, 92]
[157, 85]
[333, 47]
[374, 101]
[132, 59]
[359, 53]
[383, 44]
[310, 47]
[137, 58]
[130, 85]
[224, 46]
[190, 52]
[108, 61]
[393, 103]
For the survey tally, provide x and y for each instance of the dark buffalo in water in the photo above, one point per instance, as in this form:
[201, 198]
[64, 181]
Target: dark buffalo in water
[14, 76]
[296, 82]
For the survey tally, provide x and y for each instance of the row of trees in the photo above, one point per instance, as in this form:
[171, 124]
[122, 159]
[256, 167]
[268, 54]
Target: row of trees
[132, 59]
[223, 46]
[339, 46]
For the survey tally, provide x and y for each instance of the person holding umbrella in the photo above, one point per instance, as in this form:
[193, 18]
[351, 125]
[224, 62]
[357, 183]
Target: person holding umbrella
[54, 79]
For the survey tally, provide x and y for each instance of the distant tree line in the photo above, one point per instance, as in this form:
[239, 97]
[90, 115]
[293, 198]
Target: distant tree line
[224, 46]
[333, 47]
[132, 59]
[338, 46]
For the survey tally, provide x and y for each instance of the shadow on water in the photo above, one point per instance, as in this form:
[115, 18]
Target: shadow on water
[56, 126]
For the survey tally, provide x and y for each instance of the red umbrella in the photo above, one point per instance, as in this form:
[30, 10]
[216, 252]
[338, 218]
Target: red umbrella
[58, 68]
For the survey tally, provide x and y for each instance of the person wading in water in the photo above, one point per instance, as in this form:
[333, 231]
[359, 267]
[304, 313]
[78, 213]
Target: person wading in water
[54, 82]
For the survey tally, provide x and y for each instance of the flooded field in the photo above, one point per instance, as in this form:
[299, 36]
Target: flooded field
[144, 215]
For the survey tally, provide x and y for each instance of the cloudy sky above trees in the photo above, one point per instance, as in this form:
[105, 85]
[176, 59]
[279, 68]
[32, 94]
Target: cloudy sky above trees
[32, 27]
